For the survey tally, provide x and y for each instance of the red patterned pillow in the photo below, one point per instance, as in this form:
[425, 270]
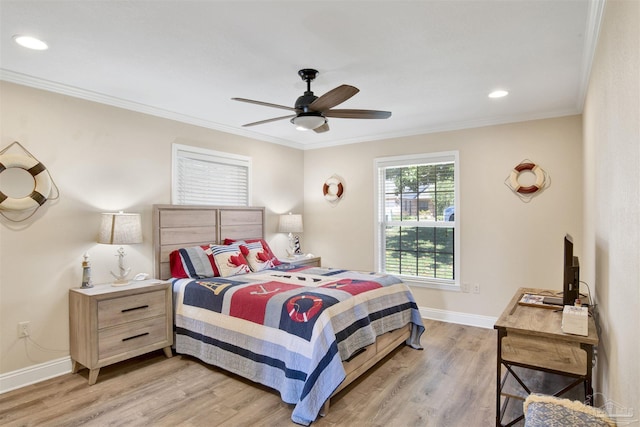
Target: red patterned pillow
[265, 246]
[195, 262]
[256, 256]
[229, 260]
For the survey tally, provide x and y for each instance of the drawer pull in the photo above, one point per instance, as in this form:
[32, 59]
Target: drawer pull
[135, 308]
[135, 336]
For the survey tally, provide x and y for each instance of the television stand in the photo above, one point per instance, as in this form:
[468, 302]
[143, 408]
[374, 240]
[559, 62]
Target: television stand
[532, 337]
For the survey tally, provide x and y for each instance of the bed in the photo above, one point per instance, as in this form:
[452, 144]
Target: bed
[306, 332]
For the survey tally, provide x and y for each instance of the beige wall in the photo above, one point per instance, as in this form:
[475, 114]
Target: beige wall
[612, 202]
[102, 159]
[506, 243]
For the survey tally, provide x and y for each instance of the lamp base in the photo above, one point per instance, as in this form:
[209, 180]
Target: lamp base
[120, 282]
[121, 278]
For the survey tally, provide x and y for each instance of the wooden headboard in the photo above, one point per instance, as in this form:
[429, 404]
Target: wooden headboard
[180, 226]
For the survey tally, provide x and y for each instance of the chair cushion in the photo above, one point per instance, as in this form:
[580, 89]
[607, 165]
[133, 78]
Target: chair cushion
[549, 411]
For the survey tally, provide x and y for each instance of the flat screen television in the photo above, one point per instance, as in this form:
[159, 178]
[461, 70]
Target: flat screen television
[571, 283]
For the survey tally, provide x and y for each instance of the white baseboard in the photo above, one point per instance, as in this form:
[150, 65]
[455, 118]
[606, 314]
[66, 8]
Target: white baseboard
[459, 318]
[54, 368]
[34, 374]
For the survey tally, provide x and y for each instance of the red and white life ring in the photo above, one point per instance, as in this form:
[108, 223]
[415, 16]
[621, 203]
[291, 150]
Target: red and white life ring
[297, 314]
[530, 189]
[332, 189]
[41, 178]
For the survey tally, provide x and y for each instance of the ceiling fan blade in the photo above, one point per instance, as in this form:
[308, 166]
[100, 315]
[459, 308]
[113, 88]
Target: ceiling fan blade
[266, 104]
[261, 122]
[323, 128]
[358, 114]
[333, 97]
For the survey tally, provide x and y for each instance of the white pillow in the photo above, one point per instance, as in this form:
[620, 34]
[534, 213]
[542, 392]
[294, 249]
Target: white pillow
[256, 256]
[229, 260]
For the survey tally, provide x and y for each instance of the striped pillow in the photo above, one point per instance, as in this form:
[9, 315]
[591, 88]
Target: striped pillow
[195, 262]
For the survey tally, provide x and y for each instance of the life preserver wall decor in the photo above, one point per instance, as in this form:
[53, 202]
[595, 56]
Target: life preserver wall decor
[42, 185]
[333, 189]
[526, 193]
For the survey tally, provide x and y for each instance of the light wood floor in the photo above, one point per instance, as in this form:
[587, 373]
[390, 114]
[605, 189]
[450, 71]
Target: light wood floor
[450, 383]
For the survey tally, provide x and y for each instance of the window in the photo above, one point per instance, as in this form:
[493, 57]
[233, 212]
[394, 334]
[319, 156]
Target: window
[207, 177]
[417, 218]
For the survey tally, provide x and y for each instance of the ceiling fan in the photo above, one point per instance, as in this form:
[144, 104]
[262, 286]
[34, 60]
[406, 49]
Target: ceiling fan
[311, 112]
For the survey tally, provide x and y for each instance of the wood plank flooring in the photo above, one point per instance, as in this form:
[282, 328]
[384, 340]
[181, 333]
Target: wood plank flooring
[450, 383]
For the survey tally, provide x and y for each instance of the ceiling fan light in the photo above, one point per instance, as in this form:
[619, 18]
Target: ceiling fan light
[308, 121]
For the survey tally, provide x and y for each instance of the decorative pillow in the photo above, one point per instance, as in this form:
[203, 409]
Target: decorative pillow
[195, 262]
[265, 246]
[229, 260]
[257, 258]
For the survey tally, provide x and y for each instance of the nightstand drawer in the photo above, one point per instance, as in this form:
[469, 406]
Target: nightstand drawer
[132, 336]
[117, 311]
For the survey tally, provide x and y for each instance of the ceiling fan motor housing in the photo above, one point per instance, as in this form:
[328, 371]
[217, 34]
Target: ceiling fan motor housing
[302, 103]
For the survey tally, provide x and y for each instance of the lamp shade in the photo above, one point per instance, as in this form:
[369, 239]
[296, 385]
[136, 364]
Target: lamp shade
[120, 229]
[290, 223]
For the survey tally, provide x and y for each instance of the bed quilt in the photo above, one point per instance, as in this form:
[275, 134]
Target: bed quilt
[290, 328]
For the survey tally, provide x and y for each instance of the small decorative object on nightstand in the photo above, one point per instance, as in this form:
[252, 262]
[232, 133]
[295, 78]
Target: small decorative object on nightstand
[307, 260]
[109, 325]
[86, 272]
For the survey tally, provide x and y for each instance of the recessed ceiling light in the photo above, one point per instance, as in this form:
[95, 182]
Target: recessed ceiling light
[498, 93]
[30, 42]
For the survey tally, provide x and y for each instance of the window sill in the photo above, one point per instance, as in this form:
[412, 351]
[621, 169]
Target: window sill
[430, 284]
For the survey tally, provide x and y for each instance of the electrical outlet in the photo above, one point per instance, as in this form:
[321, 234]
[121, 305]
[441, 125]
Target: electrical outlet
[476, 288]
[23, 329]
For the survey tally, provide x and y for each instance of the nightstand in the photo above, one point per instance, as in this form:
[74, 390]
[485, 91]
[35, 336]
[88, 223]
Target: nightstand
[110, 324]
[302, 261]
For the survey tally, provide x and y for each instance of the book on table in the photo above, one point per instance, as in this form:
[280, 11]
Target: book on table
[542, 301]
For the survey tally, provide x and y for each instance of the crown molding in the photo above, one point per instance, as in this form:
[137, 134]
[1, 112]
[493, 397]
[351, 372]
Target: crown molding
[51, 86]
[594, 23]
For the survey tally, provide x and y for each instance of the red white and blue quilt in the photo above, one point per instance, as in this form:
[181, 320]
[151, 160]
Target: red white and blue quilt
[290, 328]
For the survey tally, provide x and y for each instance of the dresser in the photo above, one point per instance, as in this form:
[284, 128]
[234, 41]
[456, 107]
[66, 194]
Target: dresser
[110, 324]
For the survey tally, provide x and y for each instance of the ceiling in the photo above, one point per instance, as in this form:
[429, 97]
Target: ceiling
[431, 63]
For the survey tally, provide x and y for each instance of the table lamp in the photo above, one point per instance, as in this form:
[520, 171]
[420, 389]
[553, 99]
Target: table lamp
[291, 224]
[120, 229]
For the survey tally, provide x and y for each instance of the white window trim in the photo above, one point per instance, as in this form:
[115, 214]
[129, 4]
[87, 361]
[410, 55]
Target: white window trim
[379, 247]
[207, 154]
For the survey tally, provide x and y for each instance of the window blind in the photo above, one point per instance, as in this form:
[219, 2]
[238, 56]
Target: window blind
[207, 177]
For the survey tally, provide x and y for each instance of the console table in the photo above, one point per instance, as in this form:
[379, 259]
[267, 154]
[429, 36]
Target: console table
[532, 337]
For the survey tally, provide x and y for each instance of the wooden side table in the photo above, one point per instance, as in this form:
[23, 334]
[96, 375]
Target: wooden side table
[111, 324]
[532, 337]
[302, 261]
